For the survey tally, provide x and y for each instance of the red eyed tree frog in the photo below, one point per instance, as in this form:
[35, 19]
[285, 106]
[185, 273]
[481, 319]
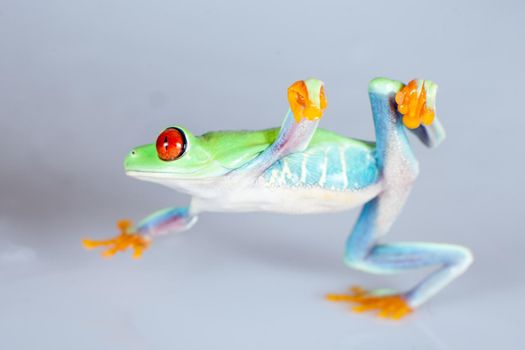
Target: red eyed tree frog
[301, 169]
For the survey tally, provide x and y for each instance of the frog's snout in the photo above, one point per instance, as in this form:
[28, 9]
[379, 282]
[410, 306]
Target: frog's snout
[131, 157]
[141, 158]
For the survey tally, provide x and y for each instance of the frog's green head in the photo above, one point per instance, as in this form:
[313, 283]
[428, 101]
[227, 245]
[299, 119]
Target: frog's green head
[177, 154]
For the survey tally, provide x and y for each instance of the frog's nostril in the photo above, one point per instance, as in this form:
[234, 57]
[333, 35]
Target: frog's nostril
[133, 152]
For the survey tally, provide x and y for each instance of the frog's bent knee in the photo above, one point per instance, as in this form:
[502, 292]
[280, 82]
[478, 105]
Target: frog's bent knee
[384, 86]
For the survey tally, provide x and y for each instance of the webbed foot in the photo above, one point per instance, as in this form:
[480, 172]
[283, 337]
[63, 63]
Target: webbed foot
[307, 99]
[122, 242]
[416, 101]
[393, 306]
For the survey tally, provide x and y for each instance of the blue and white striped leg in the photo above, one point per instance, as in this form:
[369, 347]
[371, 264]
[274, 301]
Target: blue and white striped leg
[165, 221]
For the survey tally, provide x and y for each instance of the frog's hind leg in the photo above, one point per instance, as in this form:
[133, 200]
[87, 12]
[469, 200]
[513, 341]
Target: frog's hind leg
[363, 252]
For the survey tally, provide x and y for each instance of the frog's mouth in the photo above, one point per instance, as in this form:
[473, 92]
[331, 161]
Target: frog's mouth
[186, 183]
[156, 176]
[144, 175]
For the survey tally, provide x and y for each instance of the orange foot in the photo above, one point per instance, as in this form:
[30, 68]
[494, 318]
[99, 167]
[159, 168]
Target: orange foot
[413, 105]
[392, 306]
[121, 242]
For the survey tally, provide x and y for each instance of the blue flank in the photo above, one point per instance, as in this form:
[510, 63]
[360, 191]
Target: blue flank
[357, 170]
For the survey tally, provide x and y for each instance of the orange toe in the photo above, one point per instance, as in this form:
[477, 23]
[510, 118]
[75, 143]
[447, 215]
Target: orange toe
[388, 306]
[412, 104]
[121, 242]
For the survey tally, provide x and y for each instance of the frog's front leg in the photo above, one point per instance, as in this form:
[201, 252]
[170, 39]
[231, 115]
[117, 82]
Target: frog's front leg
[307, 103]
[138, 238]
[363, 252]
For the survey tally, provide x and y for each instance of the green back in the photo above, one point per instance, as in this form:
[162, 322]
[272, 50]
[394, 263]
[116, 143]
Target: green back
[234, 148]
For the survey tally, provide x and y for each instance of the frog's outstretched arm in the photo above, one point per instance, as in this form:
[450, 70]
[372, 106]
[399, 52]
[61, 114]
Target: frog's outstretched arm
[166, 220]
[307, 103]
[399, 171]
[139, 237]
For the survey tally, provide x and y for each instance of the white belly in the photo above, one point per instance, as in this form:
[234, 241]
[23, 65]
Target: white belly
[224, 195]
[286, 200]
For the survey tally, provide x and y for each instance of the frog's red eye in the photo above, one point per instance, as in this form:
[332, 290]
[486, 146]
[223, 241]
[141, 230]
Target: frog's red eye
[171, 144]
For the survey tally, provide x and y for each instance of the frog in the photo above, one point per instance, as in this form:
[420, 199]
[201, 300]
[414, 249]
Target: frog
[299, 168]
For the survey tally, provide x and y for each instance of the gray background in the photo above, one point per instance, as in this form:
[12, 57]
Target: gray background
[81, 82]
